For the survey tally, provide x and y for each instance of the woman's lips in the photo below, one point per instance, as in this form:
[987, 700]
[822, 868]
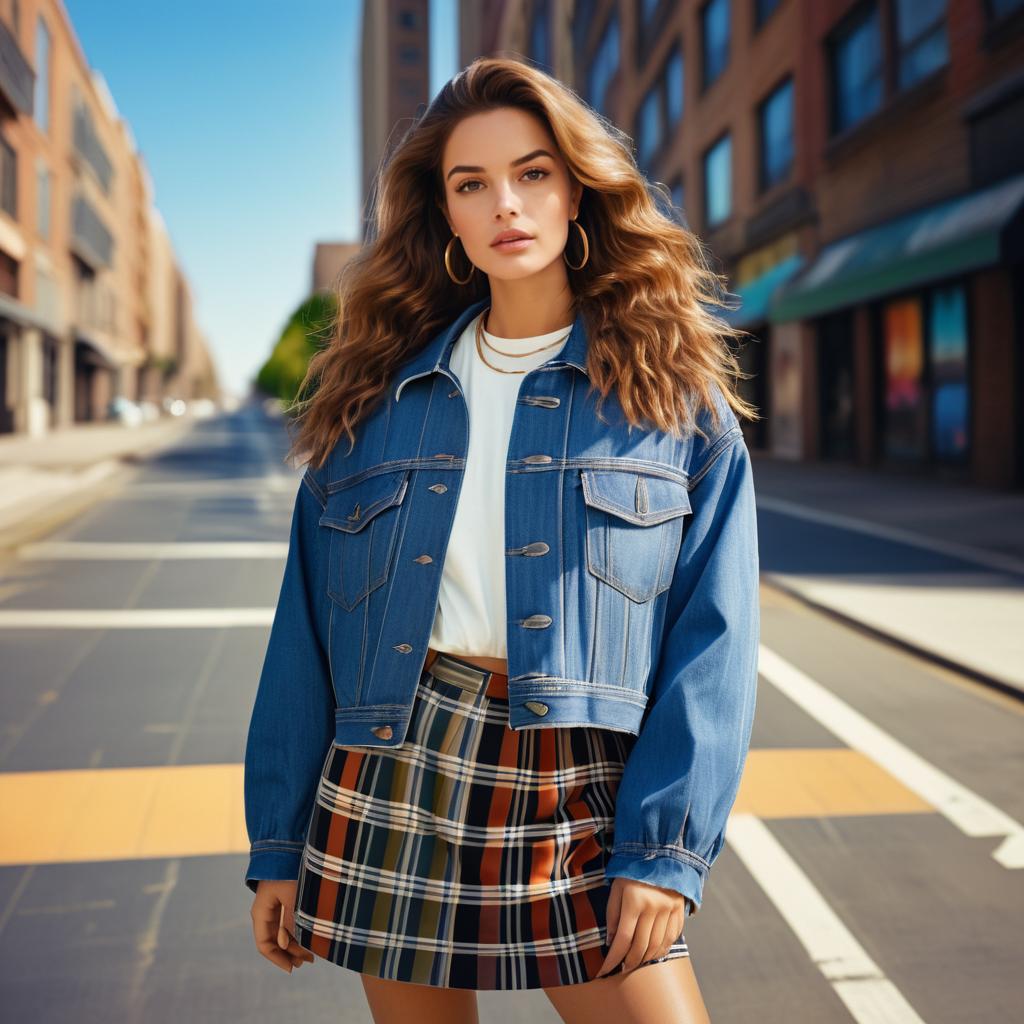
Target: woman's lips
[512, 245]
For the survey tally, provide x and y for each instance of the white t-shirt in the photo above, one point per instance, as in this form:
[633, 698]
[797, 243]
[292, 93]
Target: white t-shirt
[470, 616]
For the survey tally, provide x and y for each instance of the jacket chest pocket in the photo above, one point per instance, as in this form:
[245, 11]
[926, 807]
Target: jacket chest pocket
[363, 520]
[634, 526]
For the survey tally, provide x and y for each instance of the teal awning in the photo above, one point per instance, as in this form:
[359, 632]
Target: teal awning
[975, 230]
[756, 295]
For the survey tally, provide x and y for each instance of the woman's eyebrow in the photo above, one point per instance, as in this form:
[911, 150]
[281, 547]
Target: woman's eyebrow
[466, 168]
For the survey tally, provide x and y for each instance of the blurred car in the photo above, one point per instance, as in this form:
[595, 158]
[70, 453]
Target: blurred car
[124, 410]
[202, 408]
[175, 406]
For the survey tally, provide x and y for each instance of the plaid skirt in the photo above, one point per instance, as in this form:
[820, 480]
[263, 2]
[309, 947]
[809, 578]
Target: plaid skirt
[470, 857]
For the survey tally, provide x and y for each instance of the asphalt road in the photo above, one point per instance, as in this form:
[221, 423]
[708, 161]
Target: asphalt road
[874, 864]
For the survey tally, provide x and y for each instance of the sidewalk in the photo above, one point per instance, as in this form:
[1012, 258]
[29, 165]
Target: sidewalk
[936, 567]
[44, 480]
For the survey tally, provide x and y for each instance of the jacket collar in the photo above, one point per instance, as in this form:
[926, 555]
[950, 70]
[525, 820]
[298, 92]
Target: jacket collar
[435, 356]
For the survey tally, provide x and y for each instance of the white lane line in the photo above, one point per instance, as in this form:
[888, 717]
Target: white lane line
[968, 811]
[136, 618]
[115, 551]
[992, 559]
[218, 487]
[280, 482]
[867, 993]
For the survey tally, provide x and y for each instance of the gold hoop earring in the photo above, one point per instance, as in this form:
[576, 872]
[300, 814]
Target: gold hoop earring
[448, 263]
[586, 247]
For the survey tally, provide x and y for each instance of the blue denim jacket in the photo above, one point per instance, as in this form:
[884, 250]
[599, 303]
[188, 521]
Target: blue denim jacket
[631, 593]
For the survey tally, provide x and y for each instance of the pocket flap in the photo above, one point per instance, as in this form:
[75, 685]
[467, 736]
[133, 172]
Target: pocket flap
[351, 508]
[635, 496]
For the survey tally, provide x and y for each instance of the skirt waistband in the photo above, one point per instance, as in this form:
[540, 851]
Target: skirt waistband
[460, 672]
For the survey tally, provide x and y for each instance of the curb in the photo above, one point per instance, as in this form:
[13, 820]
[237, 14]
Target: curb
[38, 514]
[961, 668]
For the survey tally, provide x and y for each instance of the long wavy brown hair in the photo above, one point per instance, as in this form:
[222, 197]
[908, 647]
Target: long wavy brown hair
[647, 292]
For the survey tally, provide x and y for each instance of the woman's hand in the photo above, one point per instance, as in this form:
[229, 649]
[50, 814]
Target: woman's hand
[643, 922]
[273, 924]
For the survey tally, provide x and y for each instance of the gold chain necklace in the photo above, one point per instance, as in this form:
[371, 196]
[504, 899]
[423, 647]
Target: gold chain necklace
[516, 355]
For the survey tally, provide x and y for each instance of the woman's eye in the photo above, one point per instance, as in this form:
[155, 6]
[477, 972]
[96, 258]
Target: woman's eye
[473, 181]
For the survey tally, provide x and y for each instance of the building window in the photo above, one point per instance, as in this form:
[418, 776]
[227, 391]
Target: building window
[718, 182]
[776, 124]
[650, 130]
[540, 36]
[1001, 8]
[763, 10]
[648, 8]
[714, 39]
[604, 66]
[43, 188]
[660, 110]
[675, 89]
[582, 20]
[8, 179]
[409, 54]
[920, 38]
[857, 71]
[9, 273]
[408, 19]
[679, 200]
[41, 100]
[50, 369]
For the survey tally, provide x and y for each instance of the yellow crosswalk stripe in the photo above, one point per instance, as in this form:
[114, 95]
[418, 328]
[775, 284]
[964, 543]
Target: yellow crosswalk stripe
[122, 813]
[197, 810]
[827, 783]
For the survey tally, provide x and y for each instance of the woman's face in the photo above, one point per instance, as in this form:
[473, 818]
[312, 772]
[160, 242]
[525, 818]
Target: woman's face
[502, 171]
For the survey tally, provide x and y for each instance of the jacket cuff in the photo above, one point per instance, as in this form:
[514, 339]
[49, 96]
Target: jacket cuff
[661, 869]
[274, 860]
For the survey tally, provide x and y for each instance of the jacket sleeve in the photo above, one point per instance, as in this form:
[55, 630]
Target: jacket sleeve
[292, 724]
[683, 772]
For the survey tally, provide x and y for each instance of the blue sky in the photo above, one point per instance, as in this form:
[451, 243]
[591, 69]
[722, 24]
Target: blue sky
[246, 113]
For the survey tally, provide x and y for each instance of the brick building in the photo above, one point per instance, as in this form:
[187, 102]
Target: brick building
[855, 168]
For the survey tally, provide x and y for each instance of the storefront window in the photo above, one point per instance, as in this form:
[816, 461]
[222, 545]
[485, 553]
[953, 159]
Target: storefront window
[836, 395]
[948, 352]
[904, 431]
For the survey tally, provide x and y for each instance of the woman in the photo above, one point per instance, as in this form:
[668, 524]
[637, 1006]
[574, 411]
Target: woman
[542, 810]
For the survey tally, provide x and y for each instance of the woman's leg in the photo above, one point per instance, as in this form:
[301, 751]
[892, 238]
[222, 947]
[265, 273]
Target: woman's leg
[663, 993]
[398, 1002]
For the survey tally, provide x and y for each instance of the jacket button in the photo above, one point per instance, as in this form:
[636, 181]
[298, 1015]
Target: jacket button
[438, 488]
[537, 621]
[382, 731]
[423, 559]
[537, 707]
[403, 648]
